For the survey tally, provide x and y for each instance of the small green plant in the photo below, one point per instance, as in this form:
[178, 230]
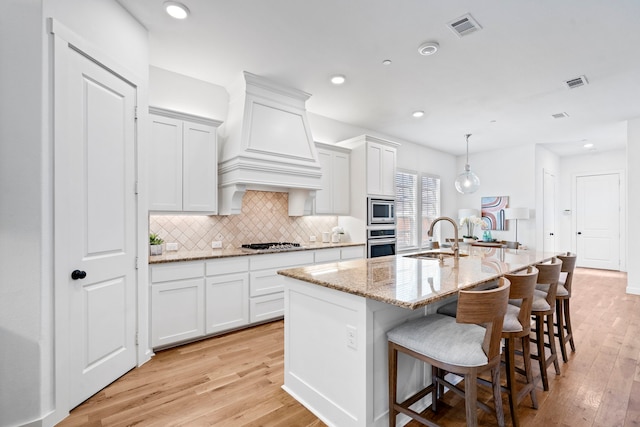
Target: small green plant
[154, 239]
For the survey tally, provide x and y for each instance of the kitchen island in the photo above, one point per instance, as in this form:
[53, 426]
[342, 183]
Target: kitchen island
[337, 316]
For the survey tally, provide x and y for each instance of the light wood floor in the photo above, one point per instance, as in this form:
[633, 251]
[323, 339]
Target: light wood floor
[235, 379]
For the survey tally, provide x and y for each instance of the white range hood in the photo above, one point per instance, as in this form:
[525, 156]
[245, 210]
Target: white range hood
[266, 144]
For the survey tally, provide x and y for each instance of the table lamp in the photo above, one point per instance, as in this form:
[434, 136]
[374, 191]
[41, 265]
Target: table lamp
[516, 213]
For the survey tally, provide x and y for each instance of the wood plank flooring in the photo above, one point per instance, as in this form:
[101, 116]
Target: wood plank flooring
[235, 379]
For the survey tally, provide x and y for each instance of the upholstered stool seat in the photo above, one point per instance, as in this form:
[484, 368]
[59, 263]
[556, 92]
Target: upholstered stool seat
[453, 345]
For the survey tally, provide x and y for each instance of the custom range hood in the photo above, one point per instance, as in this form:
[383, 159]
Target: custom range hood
[266, 144]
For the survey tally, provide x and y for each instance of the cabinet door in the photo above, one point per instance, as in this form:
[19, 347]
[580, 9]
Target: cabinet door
[267, 307]
[165, 164]
[341, 184]
[388, 172]
[374, 164]
[227, 302]
[324, 197]
[177, 311]
[352, 252]
[200, 175]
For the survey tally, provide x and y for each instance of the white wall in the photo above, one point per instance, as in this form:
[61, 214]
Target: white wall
[178, 92]
[27, 373]
[633, 202]
[504, 172]
[588, 163]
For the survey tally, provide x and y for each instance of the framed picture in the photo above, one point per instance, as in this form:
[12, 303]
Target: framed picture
[493, 212]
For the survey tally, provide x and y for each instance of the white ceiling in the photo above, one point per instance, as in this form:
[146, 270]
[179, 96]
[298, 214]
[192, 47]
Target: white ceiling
[511, 72]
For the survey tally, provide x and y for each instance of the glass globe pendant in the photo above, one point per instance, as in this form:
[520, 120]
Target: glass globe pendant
[467, 182]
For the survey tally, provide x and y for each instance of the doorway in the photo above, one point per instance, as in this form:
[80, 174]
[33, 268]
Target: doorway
[598, 223]
[95, 224]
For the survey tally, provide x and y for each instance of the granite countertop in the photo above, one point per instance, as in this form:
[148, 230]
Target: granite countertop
[234, 252]
[411, 282]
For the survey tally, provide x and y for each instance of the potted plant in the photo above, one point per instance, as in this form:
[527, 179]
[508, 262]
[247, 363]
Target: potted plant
[155, 244]
[470, 222]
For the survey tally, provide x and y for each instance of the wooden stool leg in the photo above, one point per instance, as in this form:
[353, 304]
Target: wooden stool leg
[497, 396]
[511, 380]
[526, 355]
[552, 343]
[561, 335]
[541, 353]
[471, 398]
[438, 391]
[567, 316]
[393, 384]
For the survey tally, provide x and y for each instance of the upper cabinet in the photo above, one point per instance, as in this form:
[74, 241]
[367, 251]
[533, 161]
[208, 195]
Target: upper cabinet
[333, 198]
[183, 163]
[373, 166]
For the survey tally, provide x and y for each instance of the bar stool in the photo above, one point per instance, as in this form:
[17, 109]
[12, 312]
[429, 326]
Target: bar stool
[563, 295]
[456, 345]
[542, 310]
[516, 326]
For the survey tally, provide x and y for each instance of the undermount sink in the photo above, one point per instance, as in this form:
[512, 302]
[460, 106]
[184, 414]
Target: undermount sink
[433, 255]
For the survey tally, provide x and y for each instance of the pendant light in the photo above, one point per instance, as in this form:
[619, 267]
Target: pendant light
[467, 182]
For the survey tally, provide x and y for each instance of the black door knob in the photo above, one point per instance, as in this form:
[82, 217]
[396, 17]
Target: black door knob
[579, 232]
[550, 234]
[78, 274]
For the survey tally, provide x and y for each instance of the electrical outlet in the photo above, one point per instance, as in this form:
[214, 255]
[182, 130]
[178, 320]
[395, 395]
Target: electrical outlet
[216, 244]
[173, 246]
[352, 337]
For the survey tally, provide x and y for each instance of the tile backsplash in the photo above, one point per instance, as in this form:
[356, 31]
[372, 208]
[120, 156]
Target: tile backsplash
[264, 218]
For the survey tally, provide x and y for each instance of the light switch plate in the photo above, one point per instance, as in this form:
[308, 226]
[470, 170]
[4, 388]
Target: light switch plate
[173, 246]
[216, 244]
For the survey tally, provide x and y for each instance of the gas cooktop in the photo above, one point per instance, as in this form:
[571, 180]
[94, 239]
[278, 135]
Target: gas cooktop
[271, 247]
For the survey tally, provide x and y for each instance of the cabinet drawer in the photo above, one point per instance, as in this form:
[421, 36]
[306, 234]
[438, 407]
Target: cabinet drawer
[278, 261]
[177, 311]
[228, 265]
[266, 307]
[327, 255]
[176, 271]
[352, 252]
[265, 282]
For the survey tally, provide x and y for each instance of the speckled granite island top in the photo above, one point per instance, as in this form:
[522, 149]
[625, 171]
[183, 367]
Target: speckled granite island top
[234, 252]
[411, 282]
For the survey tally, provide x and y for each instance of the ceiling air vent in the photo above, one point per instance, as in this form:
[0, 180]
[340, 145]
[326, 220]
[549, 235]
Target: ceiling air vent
[559, 115]
[577, 82]
[464, 25]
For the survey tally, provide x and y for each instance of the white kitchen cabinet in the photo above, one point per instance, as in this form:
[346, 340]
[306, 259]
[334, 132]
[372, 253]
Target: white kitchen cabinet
[333, 199]
[183, 165]
[381, 169]
[227, 294]
[352, 252]
[266, 290]
[177, 301]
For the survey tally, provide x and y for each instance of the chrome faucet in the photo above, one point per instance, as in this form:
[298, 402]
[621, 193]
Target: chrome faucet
[455, 247]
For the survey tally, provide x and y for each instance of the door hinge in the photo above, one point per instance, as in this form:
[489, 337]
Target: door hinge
[137, 262]
[135, 188]
[137, 342]
[135, 113]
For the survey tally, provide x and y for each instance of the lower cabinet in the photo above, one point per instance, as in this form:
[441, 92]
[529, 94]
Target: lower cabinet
[192, 299]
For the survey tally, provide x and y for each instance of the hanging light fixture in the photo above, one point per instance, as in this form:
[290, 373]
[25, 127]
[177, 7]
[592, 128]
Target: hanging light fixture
[467, 182]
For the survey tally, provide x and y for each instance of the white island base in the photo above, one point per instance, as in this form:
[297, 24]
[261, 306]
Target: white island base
[336, 361]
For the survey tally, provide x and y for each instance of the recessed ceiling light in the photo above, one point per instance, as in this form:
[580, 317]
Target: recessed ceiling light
[176, 10]
[428, 48]
[417, 114]
[588, 145]
[338, 79]
[386, 62]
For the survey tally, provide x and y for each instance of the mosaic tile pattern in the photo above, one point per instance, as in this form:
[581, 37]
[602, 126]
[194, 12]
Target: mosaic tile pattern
[264, 218]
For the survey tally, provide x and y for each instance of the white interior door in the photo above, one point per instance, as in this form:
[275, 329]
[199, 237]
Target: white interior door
[95, 207]
[549, 212]
[598, 221]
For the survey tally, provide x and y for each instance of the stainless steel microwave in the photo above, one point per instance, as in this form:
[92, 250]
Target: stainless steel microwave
[381, 211]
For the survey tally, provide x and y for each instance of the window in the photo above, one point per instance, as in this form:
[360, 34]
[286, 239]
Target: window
[413, 203]
[406, 210]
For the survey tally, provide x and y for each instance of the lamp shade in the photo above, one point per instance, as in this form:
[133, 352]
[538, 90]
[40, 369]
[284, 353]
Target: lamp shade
[516, 213]
[466, 213]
